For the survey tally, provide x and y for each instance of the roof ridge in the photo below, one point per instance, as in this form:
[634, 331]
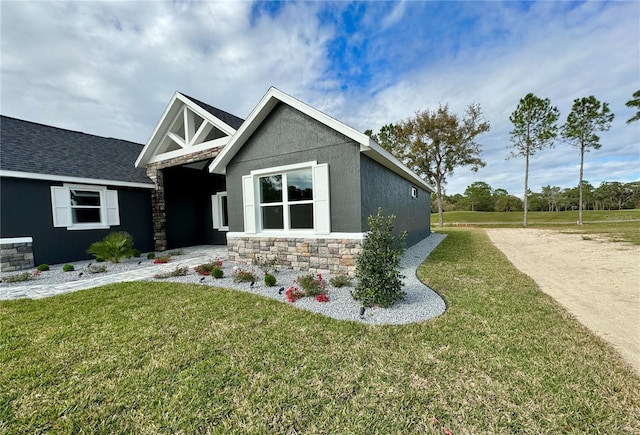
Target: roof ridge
[68, 129]
[217, 112]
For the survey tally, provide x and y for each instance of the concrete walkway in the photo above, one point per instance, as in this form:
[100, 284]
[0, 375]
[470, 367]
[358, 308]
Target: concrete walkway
[191, 257]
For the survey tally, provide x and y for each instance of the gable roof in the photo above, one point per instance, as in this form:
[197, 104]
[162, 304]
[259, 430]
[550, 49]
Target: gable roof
[226, 117]
[31, 150]
[156, 148]
[271, 99]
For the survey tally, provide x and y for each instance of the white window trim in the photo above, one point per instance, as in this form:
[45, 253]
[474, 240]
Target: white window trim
[285, 204]
[217, 211]
[62, 209]
[321, 204]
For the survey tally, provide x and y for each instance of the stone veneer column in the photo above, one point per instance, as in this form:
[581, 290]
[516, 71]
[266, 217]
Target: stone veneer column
[158, 207]
[16, 254]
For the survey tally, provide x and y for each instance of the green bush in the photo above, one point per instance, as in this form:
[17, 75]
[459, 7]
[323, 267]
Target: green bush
[340, 281]
[206, 268]
[113, 247]
[68, 268]
[242, 275]
[269, 280]
[43, 267]
[136, 253]
[217, 273]
[151, 255]
[312, 285]
[24, 276]
[175, 252]
[377, 267]
[178, 271]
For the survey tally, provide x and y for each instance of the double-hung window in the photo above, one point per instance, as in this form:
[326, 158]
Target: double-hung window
[84, 207]
[293, 198]
[286, 201]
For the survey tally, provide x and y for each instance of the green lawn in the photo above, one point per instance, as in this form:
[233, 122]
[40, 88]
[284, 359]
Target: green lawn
[166, 358]
[617, 225]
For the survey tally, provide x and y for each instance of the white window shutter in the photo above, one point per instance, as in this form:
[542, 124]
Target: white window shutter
[215, 211]
[113, 214]
[248, 203]
[322, 212]
[61, 206]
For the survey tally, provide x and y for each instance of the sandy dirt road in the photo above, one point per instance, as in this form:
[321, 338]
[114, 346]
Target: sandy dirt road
[596, 280]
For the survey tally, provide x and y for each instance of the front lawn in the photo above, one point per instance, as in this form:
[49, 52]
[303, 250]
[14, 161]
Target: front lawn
[161, 357]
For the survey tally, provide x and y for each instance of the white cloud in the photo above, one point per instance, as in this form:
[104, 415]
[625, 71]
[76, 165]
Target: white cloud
[109, 68]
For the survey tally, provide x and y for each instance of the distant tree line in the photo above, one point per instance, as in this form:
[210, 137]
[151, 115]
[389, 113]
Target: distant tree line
[609, 195]
[434, 143]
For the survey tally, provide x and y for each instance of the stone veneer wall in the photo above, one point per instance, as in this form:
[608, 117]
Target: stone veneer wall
[334, 256]
[158, 205]
[16, 255]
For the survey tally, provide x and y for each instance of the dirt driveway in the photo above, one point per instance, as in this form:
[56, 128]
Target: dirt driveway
[596, 280]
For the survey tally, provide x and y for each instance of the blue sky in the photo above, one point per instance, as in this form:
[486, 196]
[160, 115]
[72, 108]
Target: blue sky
[110, 68]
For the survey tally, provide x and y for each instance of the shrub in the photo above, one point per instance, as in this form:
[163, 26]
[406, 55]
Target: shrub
[113, 247]
[312, 285]
[97, 268]
[178, 271]
[264, 264]
[68, 268]
[340, 281]
[322, 298]
[176, 252]
[207, 268]
[161, 259]
[136, 253]
[242, 275]
[269, 280]
[217, 273]
[377, 267]
[43, 267]
[293, 294]
[151, 255]
[24, 276]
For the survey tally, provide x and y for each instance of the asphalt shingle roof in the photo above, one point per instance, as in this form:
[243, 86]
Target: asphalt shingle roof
[226, 117]
[36, 148]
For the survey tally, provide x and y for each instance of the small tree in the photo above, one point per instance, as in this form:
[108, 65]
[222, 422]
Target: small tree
[534, 128]
[377, 267]
[588, 116]
[436, 142]
[113, 247]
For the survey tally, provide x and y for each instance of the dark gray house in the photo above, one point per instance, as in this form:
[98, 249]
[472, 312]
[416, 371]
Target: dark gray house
[61, 190]
[289, 182]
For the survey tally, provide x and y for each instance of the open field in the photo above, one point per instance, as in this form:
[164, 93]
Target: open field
[166, 358]
[617, 225]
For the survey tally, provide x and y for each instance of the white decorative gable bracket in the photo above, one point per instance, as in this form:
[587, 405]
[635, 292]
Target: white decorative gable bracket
[184, 128]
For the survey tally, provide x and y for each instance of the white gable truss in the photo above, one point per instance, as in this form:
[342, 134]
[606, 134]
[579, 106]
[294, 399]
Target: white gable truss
[271, 99]
[184, 128]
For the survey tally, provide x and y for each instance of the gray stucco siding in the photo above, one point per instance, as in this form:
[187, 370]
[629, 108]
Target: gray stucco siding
[25, 211]
[385, 189]
[287, 137]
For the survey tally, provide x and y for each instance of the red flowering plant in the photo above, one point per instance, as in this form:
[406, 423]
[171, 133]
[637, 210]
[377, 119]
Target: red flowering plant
[312, 285]
[207, 268]
[161, 259]
[322, 298]
[293, 294]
